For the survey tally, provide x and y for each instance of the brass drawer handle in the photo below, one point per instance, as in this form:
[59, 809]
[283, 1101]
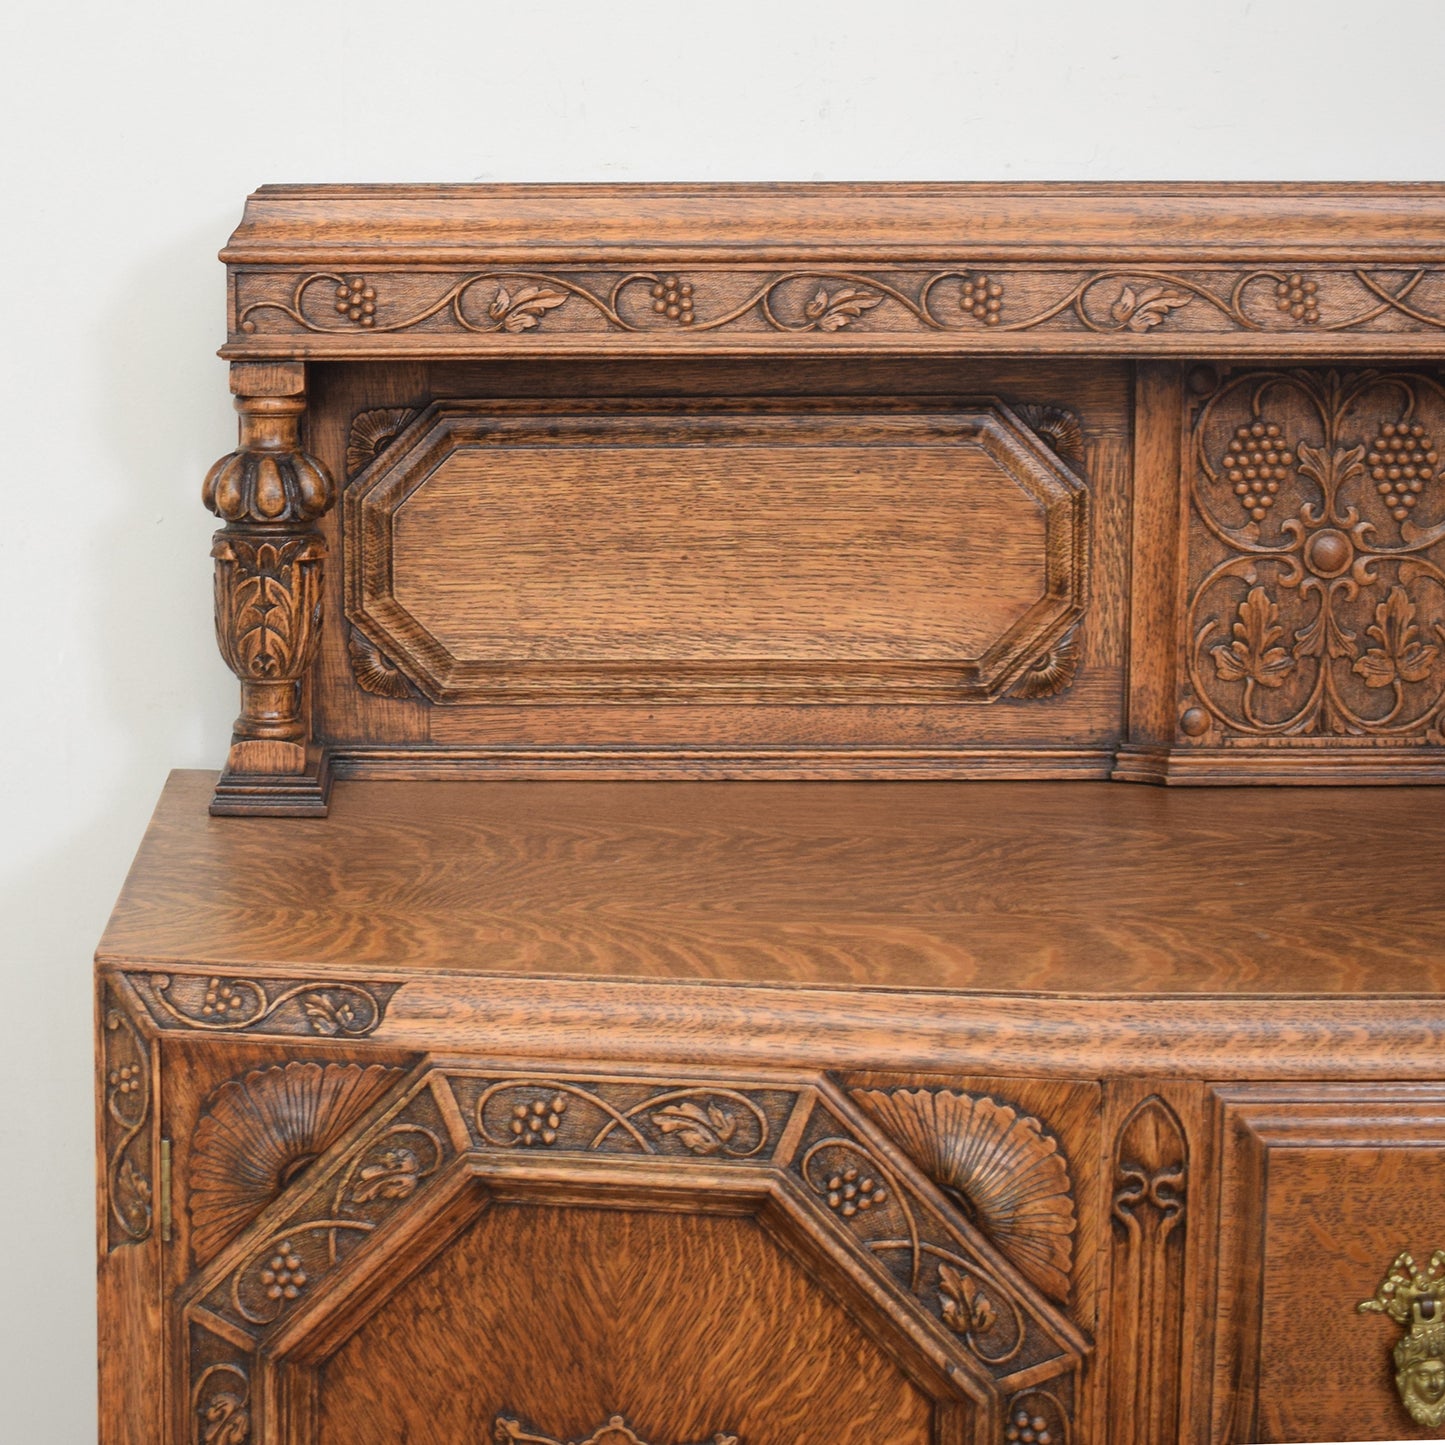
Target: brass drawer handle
[1416, 1298]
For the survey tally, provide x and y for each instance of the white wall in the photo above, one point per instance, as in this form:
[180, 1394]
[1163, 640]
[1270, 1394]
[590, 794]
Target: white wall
[132, 131]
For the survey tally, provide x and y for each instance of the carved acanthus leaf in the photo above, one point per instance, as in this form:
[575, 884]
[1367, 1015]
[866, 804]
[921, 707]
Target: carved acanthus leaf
[1400, 655]
[1254, 654]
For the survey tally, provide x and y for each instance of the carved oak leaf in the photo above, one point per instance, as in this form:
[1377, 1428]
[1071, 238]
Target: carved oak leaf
[966, 1308]
[1254, 654]
[829, 313]
[394, 1176]
[1401, 656]
[704, 1131]
[1141, 310]
[522, 311]
[328, 1018]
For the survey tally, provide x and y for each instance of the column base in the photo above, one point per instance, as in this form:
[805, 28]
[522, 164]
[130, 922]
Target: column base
[259, 782]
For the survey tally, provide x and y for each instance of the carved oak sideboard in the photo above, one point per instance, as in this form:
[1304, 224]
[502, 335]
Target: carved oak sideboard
[725, 997]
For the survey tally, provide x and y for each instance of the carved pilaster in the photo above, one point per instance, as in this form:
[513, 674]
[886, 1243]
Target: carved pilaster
[1151, 1172]
[269, 571]
[128, 1123]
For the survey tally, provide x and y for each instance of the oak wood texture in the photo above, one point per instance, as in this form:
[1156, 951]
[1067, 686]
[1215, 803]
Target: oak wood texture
[617, 501]
[625, 1008]
[756, 552]
[1080, 888]
[639, 1052]
[407, 271]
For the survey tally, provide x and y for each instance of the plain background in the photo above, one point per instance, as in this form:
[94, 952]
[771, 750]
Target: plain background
[131, 134]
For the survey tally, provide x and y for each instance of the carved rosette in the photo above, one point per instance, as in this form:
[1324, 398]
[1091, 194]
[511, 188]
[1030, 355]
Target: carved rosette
[1151, 1171]
[372, 432]
[1316, 608]
[129, 1127]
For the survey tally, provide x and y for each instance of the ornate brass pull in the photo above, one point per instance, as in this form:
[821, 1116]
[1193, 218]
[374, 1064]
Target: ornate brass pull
[1416, 1299]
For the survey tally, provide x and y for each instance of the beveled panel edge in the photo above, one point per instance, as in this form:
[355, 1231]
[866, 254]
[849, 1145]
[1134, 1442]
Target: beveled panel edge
[1036, 467]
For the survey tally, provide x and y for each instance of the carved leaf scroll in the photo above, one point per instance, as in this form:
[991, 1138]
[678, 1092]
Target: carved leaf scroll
[129, 1123]
[1207, 301]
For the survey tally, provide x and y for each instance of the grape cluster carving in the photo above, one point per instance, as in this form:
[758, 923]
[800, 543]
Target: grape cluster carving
[1402, 460]
[1257, 462]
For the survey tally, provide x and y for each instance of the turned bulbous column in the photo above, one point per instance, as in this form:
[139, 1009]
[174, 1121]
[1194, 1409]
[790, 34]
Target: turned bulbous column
[269, 562]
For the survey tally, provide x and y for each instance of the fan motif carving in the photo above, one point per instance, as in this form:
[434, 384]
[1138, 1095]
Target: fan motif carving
[259, 1131]
[1009, 1176]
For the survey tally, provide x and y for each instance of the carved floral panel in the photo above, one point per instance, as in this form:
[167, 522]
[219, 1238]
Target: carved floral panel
[1316, 595]
[231, 1003]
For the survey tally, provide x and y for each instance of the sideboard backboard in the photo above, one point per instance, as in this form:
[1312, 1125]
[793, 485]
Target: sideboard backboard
[809, 481]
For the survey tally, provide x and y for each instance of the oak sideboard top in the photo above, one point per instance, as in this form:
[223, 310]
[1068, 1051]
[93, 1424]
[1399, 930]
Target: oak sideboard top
[1013, 887]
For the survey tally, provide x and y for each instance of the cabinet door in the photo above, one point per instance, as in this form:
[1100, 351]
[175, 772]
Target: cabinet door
[554, 1257]
[1322, 1188]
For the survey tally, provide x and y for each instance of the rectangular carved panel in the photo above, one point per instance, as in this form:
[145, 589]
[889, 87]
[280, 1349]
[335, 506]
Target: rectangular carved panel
[1313, 609]
[749, 552]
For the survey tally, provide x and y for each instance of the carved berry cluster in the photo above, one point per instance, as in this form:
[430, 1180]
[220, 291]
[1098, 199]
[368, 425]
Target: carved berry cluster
[848, 1194]
[1026, 1429]
[1257, 461]
[126, 1079]
[1299, 296]
[538, 1122]
[222, 998]
[357, 301]
[673, 298]
[1402, 459]
[284, 1277]
[982, 298]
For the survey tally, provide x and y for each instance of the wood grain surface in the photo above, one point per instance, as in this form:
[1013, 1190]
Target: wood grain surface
[687, 1326]
[1081, 888]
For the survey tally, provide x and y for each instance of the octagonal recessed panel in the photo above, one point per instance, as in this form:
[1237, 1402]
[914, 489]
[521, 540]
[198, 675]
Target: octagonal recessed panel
[769, 552]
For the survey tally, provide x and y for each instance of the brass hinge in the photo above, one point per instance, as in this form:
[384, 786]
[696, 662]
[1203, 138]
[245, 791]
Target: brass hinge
[165, 1191]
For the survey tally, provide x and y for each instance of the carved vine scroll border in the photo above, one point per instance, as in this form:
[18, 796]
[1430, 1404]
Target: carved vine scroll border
[805, 300]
